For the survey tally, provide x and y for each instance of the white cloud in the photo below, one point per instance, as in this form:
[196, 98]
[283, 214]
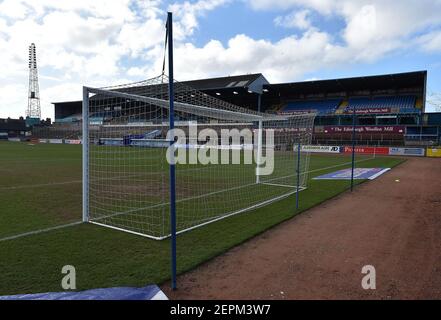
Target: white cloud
[13, 95]
[136, 72]
[13, 9]
[280, 61]
[296, 19]
[362, 27]
[431, 42]
[186, 15]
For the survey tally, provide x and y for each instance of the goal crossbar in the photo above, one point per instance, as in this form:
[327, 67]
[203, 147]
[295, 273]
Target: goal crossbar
[189, 108]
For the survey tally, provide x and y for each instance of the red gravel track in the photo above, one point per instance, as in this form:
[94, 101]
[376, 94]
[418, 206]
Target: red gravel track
[394, 226]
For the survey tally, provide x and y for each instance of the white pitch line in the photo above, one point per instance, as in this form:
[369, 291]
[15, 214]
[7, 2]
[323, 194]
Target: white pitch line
[37, 160]
[129, 231]
[277, 185]
[40, 231]
[40, 185]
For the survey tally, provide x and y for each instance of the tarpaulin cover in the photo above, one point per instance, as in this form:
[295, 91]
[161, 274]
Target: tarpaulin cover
[151, 292]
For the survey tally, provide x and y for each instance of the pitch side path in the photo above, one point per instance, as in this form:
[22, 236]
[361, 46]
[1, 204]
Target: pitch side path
[394, 226]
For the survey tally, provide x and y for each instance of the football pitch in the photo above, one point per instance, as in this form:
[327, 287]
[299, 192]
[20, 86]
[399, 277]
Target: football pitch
[41, 187]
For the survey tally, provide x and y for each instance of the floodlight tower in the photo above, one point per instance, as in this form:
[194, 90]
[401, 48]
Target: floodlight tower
[33, 110]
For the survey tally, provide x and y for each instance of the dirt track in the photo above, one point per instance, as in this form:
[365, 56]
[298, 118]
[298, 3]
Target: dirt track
[394, 226]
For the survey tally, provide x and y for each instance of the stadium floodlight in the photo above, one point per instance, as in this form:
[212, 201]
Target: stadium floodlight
[33, 110]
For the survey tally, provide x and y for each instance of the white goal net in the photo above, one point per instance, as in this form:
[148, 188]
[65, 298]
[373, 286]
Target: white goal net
[228, 159]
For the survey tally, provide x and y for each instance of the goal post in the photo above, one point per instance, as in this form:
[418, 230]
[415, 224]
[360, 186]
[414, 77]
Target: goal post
[172, 165]
[85, 155]
[126, 139]
[259, 152]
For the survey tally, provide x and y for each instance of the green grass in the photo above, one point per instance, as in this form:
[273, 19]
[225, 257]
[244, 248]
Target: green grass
[27, 208]
[104, 257]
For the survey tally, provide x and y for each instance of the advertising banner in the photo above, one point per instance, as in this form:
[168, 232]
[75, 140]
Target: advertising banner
[111, 141]
[367, 150]
[56, 141]
[72, 141]
[369, 111]
[151, 143]
[434, 152]
[219, 147]
[319, 149]
[365, 129]
[418, 152]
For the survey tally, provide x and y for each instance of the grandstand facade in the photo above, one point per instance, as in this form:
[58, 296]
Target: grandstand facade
[390, 109]
[13, 128]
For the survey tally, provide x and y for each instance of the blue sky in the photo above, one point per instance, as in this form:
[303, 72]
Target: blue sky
[103, 42]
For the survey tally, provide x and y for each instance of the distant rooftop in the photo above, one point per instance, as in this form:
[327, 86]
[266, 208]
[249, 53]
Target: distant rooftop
[378, 82]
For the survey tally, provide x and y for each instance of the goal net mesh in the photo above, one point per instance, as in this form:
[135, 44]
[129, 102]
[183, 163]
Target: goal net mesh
[223, 173]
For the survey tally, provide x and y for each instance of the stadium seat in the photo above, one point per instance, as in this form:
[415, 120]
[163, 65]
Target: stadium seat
[320, 106]
[401, 103]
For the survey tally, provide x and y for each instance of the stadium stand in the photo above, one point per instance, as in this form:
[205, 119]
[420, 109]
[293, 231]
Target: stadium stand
[391, 107]
[319, 106]
[403, 104]
[13, 128]
[58, 130]
[70, 119]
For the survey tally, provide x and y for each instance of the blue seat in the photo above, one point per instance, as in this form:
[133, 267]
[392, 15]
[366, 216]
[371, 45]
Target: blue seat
[401, 102]
[322, 107]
